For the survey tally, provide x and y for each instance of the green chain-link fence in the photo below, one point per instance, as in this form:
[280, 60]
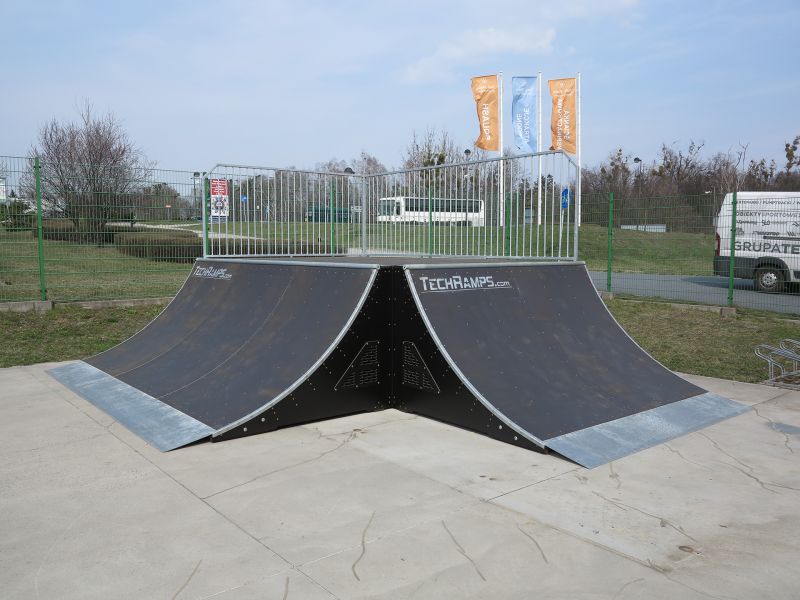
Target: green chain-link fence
[678, 248]
[77, 232]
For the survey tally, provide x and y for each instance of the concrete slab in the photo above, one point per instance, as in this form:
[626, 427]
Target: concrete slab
[388, 505]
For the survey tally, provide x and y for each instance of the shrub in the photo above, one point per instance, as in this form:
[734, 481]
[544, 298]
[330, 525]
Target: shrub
[17, 216]
[165, 245]
[60, 230]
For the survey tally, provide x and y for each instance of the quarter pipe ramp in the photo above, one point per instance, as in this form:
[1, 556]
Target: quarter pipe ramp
[525, 353]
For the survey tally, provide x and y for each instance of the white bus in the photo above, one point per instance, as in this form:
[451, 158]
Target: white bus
[452, 211]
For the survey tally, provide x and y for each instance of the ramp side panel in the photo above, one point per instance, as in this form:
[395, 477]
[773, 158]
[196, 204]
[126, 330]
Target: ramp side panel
[157, 423]
[616, 439]
[538, 344]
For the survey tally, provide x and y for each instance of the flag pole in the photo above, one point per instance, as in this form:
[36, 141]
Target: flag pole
[578, 183]
[502, 205]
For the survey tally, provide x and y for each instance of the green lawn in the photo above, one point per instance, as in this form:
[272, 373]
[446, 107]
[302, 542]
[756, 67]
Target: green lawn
[81, 271]
[690, 341]
[85, 271]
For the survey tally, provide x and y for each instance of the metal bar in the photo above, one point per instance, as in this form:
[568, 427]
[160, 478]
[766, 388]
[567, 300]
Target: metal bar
[732, 258]
[37, 170]
[610, 237]
[206, 200]
[430, 221]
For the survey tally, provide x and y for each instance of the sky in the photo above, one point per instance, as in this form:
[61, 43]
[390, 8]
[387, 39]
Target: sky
[297, 82]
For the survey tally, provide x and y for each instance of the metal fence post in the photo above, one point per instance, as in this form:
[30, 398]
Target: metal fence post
[732, 257]
[430, 223]
[333, 217]
[206, 200]
[37, 172]
[363, 215]
[610, 237]
[508, 226]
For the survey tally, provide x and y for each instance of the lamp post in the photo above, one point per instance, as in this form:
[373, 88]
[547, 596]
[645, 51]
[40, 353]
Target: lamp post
[195, 179]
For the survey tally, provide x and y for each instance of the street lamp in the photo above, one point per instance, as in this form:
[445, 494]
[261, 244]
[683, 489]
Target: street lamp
[195, 178]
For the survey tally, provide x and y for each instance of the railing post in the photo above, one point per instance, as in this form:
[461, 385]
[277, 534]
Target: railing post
[732, 257]
[610, 237]
[508, 225]
[206, 200]
[430, 223]
[37, 173]
[363, 215]
[333, 216]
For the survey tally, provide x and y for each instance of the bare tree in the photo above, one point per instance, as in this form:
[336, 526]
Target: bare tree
[89, 170]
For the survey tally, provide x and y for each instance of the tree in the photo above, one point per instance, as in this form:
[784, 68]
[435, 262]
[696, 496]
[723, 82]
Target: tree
[89, 169]
[792, 159]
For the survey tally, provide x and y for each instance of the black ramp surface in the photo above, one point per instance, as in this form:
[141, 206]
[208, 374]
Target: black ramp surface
[238, 336]
[540, 348]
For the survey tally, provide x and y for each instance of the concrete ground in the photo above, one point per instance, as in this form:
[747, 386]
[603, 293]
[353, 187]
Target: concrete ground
[388, 505]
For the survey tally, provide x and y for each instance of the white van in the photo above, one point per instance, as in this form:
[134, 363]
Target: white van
[767, 243]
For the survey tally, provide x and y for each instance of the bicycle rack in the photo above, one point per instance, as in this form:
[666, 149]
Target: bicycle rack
[779, 357]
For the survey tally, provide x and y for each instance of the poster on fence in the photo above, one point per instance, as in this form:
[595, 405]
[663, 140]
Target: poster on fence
[219, 200]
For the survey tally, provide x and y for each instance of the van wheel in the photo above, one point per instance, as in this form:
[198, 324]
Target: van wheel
[769, 279]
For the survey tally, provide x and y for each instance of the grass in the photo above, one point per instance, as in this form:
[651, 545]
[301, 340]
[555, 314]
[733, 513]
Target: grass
[85, 271]
[704, 343]
[690, 341]
[67, 333]
[81, 271]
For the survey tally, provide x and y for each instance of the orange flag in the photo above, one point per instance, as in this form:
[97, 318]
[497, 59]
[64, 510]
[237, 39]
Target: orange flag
[563, 120]
[485, 92]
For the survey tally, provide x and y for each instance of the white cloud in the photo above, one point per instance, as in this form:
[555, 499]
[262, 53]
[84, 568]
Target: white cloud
[478, 44]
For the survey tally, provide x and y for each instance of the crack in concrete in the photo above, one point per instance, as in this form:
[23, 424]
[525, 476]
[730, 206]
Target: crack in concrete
[678, 452]
[663, 522]
[462, 551]
[286, 588]
[725, 452]
[533, 539]
[363, 546]
[185, 583]
[624, 587]
[772, 425]
[614, 475]
[347, 440]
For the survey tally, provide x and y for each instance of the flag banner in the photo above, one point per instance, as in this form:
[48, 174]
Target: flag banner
[562, 122]
[485, 90]
[523, 112]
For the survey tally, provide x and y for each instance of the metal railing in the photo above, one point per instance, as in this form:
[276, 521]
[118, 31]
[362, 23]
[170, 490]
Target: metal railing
[484, 208]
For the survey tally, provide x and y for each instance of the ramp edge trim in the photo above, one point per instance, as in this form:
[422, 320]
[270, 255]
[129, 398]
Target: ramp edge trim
[467, 383]
[159, 424]
[493, 262]
[310, 371]
[600, 444]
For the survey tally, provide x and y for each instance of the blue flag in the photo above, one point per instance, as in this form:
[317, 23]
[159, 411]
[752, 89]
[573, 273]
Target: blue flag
[523, 112]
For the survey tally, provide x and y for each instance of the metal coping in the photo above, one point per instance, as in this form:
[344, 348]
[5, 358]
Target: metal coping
[311, 369]
[600, 444]
[157, 423]
[489, 406]
[301, 263]
[493, 262]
